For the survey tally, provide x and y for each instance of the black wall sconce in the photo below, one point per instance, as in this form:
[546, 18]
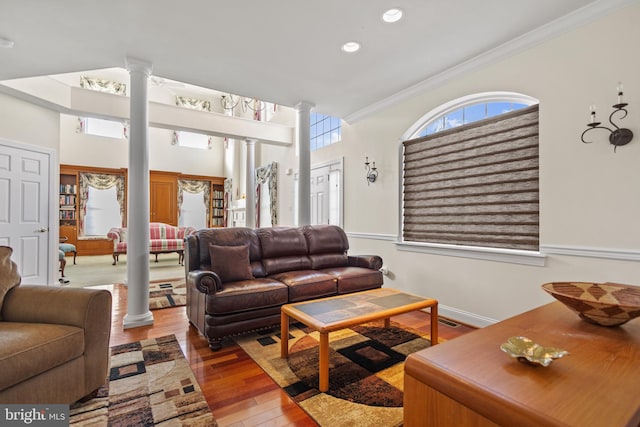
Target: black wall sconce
[618, 136]
[372, 171]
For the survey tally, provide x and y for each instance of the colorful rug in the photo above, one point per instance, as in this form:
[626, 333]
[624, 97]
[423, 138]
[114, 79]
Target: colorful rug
[150, 383]
[366, 371]
[167, 293]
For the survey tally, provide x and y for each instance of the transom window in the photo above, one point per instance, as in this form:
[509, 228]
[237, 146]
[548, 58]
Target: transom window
[101, 127]
[191, 140]
[325, 130]
[468, 114]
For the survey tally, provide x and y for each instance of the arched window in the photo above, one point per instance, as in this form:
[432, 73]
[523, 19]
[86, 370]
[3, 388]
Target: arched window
[471, 174]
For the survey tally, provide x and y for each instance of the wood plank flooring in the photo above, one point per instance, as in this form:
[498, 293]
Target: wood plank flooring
[238, 391]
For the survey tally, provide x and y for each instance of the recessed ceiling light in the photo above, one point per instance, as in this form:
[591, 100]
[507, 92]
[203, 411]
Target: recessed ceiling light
[351, 47]
[6, 43]
[392, 15]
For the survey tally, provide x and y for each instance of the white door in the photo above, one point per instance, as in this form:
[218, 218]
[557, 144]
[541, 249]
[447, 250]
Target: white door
[24, 210]
[320, 195]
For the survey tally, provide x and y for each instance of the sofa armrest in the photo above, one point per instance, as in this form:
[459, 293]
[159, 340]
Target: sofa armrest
[207, 282]
[114, 234]
[374, 262]
[89, 309]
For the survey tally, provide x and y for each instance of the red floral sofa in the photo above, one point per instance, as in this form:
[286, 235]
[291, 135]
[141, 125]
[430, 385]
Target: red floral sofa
[163, 238]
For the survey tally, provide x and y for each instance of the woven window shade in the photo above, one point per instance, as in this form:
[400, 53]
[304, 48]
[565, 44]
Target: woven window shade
[475, 185]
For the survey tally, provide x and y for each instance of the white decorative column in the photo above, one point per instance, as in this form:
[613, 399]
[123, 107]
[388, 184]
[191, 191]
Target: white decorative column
[250, 213]
[303, 126]
[138, 313]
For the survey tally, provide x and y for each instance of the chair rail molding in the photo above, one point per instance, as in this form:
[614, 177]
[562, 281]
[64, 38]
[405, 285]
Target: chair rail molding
[591, 252]
[372, 236]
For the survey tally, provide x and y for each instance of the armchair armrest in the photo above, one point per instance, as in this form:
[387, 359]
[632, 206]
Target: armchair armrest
[374, 262]
[207, 282]
[88, 309]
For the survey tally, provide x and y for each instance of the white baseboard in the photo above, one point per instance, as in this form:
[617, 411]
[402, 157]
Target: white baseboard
[465, 317]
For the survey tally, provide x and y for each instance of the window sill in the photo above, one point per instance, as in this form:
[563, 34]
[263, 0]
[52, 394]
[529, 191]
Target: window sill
[474, 252]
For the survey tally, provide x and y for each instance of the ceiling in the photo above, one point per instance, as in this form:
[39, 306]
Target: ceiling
[283, 51]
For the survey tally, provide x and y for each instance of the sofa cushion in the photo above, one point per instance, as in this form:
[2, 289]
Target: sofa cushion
[228, 237]
[247, 295]
[231, 263]
[321, 261]
[307, 284]
[166, 245]
[284, 264]
[325, 238]
[9, 276]
[28, 349]
[353, 279]
[282, 242]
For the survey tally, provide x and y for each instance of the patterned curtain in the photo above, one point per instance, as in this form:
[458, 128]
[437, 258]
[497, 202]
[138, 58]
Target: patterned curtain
[269, 175]
[99, 181]
[195, 187]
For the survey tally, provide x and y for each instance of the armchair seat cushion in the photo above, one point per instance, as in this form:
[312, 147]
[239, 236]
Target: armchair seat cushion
[307, 284]
[29, 349]
[248, 295]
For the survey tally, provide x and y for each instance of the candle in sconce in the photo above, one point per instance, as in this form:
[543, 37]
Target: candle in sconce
[619, 89]
[592, 109]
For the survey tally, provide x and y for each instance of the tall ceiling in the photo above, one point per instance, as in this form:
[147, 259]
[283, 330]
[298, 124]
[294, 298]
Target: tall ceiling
[282, 51]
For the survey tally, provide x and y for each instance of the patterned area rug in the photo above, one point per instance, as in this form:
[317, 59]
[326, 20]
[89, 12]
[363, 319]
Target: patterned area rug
[150, 383]
[366, 371]
[167, 293]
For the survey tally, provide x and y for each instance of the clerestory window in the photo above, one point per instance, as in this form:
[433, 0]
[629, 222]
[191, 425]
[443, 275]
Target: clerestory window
[325, 130]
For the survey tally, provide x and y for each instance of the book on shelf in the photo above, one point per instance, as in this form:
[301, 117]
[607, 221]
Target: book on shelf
[66, 199]
[67, 214]
[68, 188]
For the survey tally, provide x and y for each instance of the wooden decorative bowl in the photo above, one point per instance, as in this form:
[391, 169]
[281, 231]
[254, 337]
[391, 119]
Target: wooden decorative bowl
[606, 304]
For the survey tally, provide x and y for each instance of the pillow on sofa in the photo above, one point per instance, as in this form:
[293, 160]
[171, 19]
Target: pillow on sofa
[9, 276]
[231, 263]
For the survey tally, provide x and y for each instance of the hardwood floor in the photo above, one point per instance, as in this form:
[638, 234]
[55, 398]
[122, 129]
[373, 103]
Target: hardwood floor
[239, 393]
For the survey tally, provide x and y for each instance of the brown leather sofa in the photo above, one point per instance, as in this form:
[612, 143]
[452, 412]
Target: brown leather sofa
[54, 342]
[238, 278]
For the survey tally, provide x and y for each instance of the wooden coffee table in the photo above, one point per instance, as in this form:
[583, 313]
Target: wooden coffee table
[334, 313]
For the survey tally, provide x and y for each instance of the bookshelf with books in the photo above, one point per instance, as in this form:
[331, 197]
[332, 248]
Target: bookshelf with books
[217, 205]
[68, 201]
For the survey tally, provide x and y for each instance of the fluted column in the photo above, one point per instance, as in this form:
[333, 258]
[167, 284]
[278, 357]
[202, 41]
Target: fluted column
[250, 211]
[303, 127]
[138, 313]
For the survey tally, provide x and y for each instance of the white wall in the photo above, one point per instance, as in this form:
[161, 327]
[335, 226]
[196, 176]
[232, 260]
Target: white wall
[27, 123]
[590, 197]
[88, 150]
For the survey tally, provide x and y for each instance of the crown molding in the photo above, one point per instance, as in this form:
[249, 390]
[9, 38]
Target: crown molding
[546, 32]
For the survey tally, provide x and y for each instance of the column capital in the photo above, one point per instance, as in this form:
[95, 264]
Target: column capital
[138, 65]
[304, 106]
[250, 141]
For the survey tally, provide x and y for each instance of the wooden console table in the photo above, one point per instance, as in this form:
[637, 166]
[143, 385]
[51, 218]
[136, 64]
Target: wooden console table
[469, 381]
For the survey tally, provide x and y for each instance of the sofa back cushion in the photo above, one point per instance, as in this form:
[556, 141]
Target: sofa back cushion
[328, 245]
[228, 237]
[231, 263]
[9, 276]
[283, 249]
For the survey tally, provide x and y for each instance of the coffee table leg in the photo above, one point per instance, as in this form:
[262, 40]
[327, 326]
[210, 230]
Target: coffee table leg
[434, 324]
[284, 334]
[324, 362]
[387, 322]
